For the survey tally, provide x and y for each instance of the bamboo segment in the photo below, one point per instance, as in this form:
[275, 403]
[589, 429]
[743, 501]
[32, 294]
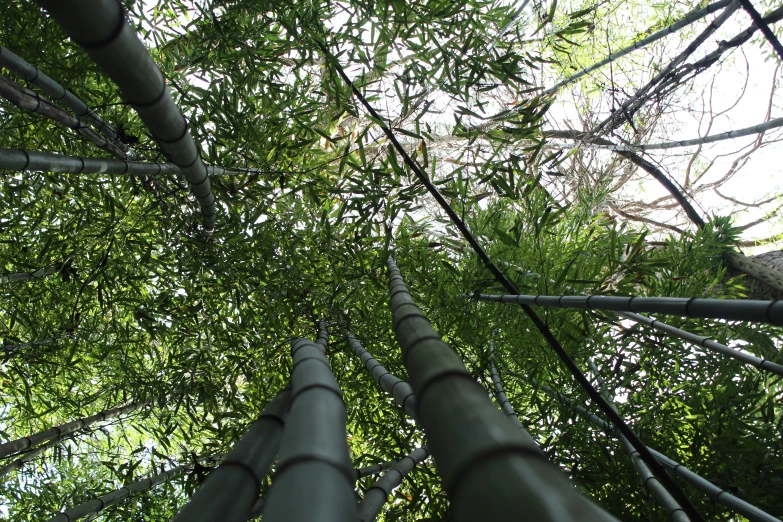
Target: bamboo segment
[230, 490]
[258, 508]
[323, 335]
[22, 444]
[314, 477]
[505, 405]
[30, 101]
[30, 455]
[399, 389]
[715, 493]
[61, 95]
[17, 277]
[648, 480]
[378, 494]
[99, 26]
[100, 503]
[375, 469]
[489, 471]
[10, 348]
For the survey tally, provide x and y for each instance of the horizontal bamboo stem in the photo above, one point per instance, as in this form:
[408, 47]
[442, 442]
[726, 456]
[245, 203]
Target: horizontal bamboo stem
[10, 348]
[17, 277]
[378, 494]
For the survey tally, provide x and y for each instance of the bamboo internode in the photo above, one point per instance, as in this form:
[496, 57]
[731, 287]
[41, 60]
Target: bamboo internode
[17, 277]
[378, 494]
[230, 490]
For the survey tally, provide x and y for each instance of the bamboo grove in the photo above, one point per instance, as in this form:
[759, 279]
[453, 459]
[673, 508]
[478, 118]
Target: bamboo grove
[352, 261]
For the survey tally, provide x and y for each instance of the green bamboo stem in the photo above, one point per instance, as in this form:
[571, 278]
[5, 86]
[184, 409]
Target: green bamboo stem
[323, 335]
[715, 493]
[378, 494]
[16, 277]
[28, 160]
[29, 456]
[31, 101]
[685, 21]
[24, 443]
[100, 27]
[375, 469]
[750, 310]
[489, 471]
[314, 478]
[11, 348]
[397, 388]
[61, 95]
[98, 504]
[508, 23]
[648, 480]
[230, 491]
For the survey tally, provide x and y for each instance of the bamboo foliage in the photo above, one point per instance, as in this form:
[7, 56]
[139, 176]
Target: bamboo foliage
[60, 95]
[378, 494]
[489, 471]
[231, 490]
[15, 446]
[100, 28]
[397, 388]
[314, 476]
[31, 101]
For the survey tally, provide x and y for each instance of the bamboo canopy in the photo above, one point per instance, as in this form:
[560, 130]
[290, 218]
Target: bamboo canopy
[378, 494]
[100, 27]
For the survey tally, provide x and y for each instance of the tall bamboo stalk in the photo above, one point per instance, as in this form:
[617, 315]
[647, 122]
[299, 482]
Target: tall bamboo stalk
[750, 310]
[397, 388]
[378, 494]
[489, 471]
[61, 95]
[31, 101]
[19, 463]
[16, 277]
[375, 469]
[22, 444]
[231, 490]
[715, 493]
[314, 477]
[10, 348]
[98, 504]
[100, 27]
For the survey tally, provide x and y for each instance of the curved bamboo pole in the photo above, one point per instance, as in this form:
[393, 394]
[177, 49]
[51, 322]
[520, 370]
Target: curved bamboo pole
[715, 493]
[24, 443]
[230, 491]
[99, 26]
[61, 95]
[314, 477]
[397, 388]
[489, 471]
[378, 494]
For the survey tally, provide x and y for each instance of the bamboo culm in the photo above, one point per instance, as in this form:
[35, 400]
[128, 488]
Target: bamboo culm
[10, 348]
[397, 388]
[685, 21]
[98, 504]
[673, 510]
[378, 494]
[314, 478]
[100, 27]
[32, 454]
[24, 443]
[17, 277]
[375, 469]
[28, 160]
[715, 493]
[488, 470]
[230, 491]
[61, 95]
[31, 101]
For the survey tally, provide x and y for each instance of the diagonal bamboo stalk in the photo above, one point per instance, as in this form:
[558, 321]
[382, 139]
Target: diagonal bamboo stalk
[489, 471]
[397, 388]
[29, 456]
[314, 464]
[378, 494]
[375, 469]
[11, 348]
[31, 101]
[763, 27]
[16, 277]
[24, 443]
[750, 310]
[61, 95]
[98, 504]
[99, 26]
[230, 490]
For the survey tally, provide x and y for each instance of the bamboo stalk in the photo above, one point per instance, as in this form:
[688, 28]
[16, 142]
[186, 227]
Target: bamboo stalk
[230, 491]
[685, 21]
[378, 494]
[31, 101]
[10, 348]
[61, 95]
[489, 471]
[715, 493]
[98, 504]
[16, 277]
[750, 310]
[375, 469]
[30, 455]
[99, 26]
[24, 443]
[258, 508]
[397, 388]
[314, 477]
[28, 160]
